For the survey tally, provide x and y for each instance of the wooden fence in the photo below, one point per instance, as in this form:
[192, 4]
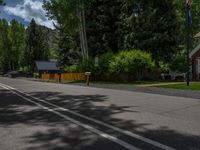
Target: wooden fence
[64, 76]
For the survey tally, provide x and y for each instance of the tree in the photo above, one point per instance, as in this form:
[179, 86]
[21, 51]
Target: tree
[36, 46]
[5, 46]
[70, 16]
[195, 28]
[11, 44]
[16, 35]
[152, 26]
[103, 26]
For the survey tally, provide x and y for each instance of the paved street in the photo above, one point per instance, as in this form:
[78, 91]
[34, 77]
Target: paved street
[47, 116]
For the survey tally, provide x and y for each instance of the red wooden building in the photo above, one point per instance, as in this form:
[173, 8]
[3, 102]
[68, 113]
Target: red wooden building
[195, 60]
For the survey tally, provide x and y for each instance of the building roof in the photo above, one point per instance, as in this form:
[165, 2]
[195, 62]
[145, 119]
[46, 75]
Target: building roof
[194, 51]
[197, 35]
[47, 65]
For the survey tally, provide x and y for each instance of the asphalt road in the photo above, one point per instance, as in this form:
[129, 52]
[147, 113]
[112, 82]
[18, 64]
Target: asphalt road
[46, 116]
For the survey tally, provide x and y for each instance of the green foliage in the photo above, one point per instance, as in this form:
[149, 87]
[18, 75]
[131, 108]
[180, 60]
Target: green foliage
[153, 26]
[114, 26]
[103, 26]
[11, 44]
[68, 53]
[103, 67]
[65, 13]
[178, 63]
[195, 9]
[17, 36]
[73, 68]
[135, 63]
[70, 16]
[36, 75]
[36, 46]
[163, 67]
[5, 46]
[87, 66]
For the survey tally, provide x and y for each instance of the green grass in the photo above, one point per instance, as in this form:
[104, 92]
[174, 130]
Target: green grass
[182, 86]
[127, 83]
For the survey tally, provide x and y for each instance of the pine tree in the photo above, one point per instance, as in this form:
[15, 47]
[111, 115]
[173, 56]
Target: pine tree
[102, 26]
[36, 46]
[151, 25]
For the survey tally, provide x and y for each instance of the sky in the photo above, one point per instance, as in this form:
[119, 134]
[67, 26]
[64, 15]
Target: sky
[24, 11]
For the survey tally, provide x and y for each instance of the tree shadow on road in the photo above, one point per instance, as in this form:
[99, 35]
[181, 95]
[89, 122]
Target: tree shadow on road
[61, 134]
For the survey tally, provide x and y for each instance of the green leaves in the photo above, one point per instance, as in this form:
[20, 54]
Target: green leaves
[133, 62]
[36, 46]
[154, 29]
[11, 44]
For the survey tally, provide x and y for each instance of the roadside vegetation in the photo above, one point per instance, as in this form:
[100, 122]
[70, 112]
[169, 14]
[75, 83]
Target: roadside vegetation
[115, 40]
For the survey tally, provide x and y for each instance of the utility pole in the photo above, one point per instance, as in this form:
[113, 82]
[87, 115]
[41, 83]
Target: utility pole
[188, 25]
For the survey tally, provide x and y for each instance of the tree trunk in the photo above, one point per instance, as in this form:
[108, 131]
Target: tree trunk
[82, 30]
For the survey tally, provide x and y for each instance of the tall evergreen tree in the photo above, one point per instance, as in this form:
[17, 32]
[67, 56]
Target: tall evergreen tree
[102, 26]
[36, 46]
[151, 25]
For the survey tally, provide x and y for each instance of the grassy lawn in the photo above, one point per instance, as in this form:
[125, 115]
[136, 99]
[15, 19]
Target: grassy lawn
[126, 83]
[182, 86]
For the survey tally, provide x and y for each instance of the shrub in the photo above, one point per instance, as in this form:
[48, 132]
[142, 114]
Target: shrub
[135, 63]
[104, 64]
[87, 66]
[36, 75]
[163, 67]
[73, 68]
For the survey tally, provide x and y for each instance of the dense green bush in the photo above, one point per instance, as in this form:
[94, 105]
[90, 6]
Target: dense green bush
[73, 68]
[82, 66]
[135, 63]
[103, 67]
[163, 67]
